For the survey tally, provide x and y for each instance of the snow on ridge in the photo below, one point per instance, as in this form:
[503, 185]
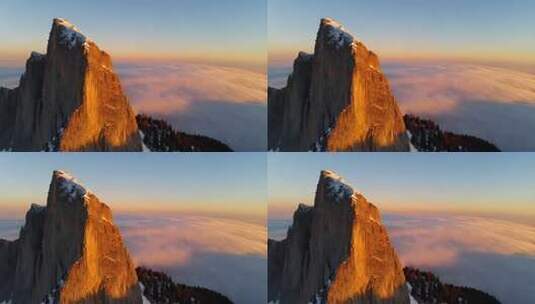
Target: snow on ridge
[337, 35]
[70, 35]
[144, 299]
[337, 186]
[70, 186]
[411, 146]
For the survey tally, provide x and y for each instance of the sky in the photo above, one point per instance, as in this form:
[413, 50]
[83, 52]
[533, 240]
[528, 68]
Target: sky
[231, 185]
[417, 29]
[466, 183]
[205, 30]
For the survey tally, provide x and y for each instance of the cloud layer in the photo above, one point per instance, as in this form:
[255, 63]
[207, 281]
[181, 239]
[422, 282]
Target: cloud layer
[223, 102]
[493, 255]
[226, 255]
[494, 103]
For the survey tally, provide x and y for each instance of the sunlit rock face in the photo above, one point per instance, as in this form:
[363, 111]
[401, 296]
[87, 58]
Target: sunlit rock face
[337, 99]
[68, 100]
[68, 252]
[337, 251]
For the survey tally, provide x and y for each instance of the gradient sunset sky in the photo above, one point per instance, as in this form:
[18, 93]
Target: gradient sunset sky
[417, 29]
[197, 183]
[205, 30]
[474, 183]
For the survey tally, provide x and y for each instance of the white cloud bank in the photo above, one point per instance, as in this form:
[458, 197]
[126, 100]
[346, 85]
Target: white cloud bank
[494, 103]
[494, 255]
[226, 103]
[226, 255]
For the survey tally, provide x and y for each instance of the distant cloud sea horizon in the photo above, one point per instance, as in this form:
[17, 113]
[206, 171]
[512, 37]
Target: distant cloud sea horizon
[195, 250]
[496, 256]
[495, 103]
[223, 102]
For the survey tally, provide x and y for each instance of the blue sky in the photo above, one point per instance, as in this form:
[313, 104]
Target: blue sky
[477, 183]
[214, 29]
[230, 184]
[483, 30]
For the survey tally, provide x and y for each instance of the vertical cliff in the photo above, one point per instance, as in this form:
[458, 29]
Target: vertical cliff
[68, 252]
[335, 252]
[68, 100]
[337, 99]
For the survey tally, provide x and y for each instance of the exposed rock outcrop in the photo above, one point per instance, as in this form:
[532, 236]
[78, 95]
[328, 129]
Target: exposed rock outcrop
[337, 99]
[68, 252]
[68, 100]
[335, 252]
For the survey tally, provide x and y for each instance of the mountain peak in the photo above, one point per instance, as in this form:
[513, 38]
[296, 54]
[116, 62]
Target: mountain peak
[69, 35]
[340, 101]
[68, 252]
[337, 35]
[69, 185]
[336, 252]
[69, 100]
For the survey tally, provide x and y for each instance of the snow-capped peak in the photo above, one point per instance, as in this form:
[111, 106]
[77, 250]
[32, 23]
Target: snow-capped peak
[337, 35]
[69, 185]
[337, 186]
[70, 35]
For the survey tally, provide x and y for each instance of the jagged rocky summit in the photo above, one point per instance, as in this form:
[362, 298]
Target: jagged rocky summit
[68, 100]
[337, 251]
[337, 99]
[68, 252]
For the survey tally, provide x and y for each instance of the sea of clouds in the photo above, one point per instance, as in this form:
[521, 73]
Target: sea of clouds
[226, 103]
[491, 102]
[223, 254]
[493, 255]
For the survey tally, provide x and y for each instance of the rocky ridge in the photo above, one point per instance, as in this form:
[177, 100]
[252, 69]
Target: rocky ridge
[427, 136]
[68, 252]
[157, 287]
[158, 136]
[335, 252]
[337, 99]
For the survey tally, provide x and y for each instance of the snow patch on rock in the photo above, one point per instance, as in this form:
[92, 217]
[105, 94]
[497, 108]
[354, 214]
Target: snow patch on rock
[70, 35]
[69, 186]
[337, 35]
[337, 187]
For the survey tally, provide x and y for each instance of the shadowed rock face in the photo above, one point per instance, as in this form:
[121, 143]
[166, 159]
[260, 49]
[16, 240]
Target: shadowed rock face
[68, 100]
[337, 99]
[68, 252]
[335, 252]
